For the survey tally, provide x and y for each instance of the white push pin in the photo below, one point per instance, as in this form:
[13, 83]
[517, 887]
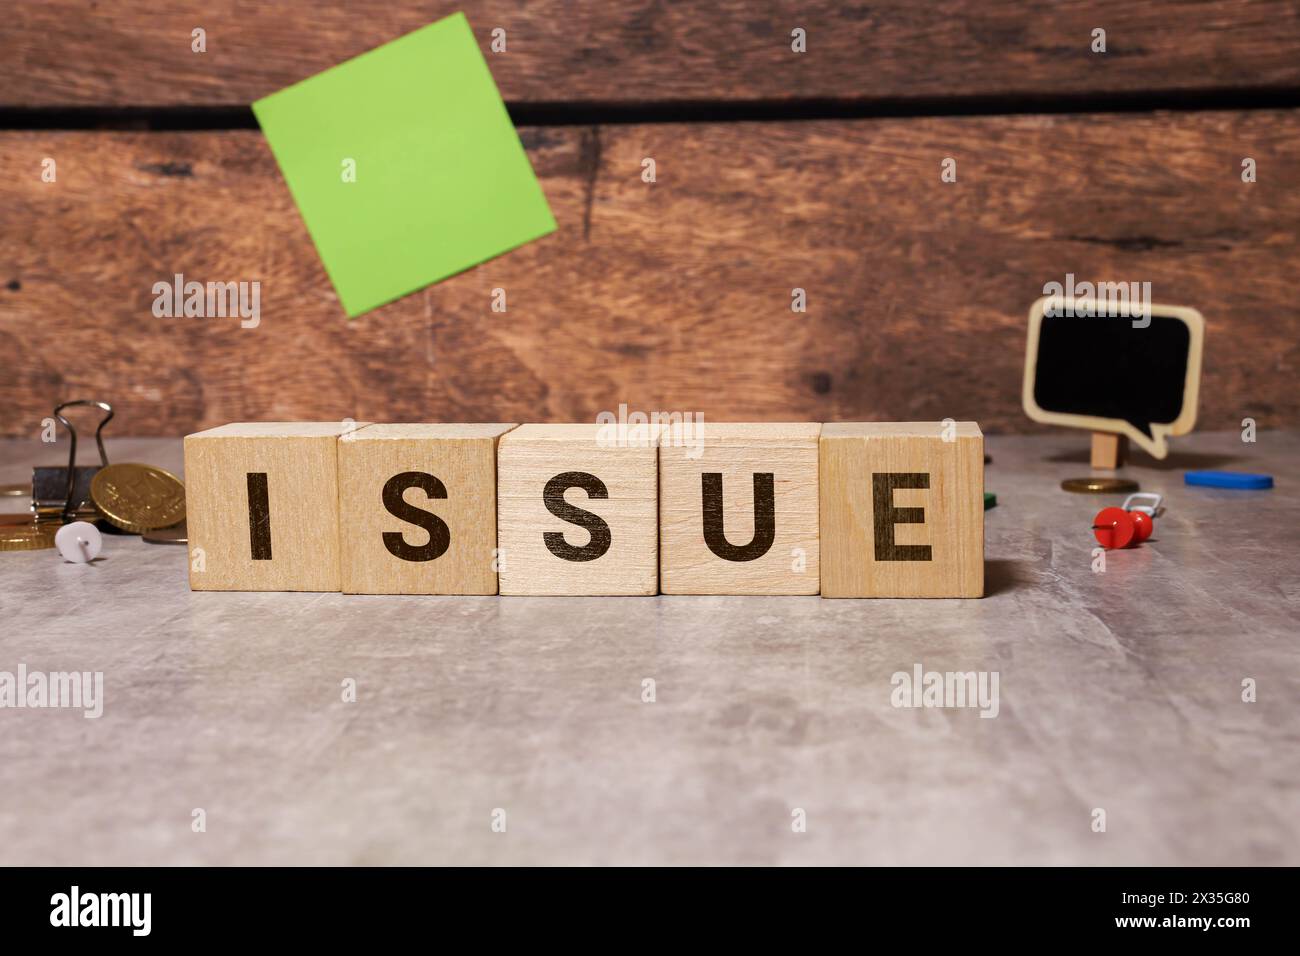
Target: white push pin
[79, 542]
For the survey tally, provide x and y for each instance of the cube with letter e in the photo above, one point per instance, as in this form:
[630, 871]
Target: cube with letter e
[902, 509]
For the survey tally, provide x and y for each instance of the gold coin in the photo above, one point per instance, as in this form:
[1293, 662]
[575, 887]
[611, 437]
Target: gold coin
[1100, 486]
[16, 491]
[22, 533]
[138, 498]
[176, 534]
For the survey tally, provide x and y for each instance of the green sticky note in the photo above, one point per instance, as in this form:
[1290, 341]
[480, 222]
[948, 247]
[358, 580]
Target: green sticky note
[405, 165]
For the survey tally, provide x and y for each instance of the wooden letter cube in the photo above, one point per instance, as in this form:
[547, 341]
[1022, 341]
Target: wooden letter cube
[577, 510]
[262, 506]
[738, 508]
[418, 509]
[902, 509]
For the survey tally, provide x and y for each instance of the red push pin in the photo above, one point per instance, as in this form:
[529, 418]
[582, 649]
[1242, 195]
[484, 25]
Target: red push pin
[1114, 528]
[1142, 526]
[1143, 515]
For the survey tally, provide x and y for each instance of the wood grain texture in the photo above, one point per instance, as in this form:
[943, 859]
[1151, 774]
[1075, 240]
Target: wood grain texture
[624, 554]
[56, 52]
[300, 549]
[1108, 450]
[674, 295]
[921, 539]
[463, 459]
[786, 454]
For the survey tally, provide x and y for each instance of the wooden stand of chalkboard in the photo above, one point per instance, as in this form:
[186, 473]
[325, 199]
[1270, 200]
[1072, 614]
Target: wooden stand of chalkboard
[1108, 450]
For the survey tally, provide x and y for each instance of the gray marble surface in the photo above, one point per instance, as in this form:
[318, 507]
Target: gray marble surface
[1120, 691]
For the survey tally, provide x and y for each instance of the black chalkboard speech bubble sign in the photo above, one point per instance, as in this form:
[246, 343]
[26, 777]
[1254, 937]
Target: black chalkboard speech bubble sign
[1105, 373]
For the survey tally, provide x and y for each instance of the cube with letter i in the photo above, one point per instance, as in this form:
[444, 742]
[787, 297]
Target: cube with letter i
[902, 509]
[418, 508]
[262, 506]
[577, 509]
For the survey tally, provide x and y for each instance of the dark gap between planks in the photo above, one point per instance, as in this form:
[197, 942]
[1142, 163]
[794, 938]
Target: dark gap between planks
[187, 118]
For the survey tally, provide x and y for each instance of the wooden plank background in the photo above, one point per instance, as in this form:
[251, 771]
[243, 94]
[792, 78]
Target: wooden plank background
[74, 52]
[673, 295]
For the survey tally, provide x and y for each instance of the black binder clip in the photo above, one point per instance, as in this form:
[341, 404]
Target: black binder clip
[63, 494]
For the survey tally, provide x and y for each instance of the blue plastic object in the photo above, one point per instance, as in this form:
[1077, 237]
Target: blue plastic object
[1228, 479]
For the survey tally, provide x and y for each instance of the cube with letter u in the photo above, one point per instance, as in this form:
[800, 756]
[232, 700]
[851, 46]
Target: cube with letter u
[738, 508]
